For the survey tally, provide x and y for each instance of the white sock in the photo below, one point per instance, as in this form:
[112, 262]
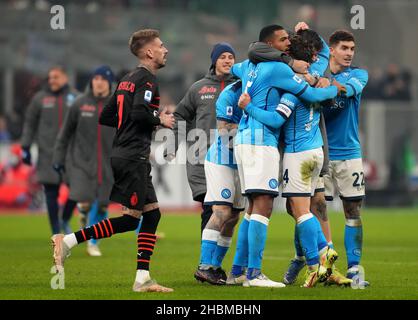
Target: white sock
[142, 276]
[299, 258]
[224, 241]
[323, 250]
[70, 240]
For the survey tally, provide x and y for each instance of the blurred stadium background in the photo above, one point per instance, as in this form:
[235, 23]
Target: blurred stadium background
[96, 33]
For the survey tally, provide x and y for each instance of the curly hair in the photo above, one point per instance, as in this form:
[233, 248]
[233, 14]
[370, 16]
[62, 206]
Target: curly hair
[301, 49]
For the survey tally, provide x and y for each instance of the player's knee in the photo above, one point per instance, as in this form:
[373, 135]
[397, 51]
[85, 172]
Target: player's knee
[352, 209]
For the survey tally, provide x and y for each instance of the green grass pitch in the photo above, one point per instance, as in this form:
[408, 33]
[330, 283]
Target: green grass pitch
[390, 259]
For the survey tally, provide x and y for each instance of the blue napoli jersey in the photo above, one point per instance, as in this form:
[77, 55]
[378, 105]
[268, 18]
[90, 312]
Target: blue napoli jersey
[301, 130]
[342, 118]
[227, 110]
[319, 67]
[265, 83]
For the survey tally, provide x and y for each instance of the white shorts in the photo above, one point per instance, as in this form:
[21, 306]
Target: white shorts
[346, 177]
[223, 186]
[301, 173]
[258, 168]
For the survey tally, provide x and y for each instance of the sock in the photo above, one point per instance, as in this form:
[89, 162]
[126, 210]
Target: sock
[142, 276]
[253, 273]
[353, 241]
[308, 235]
[241, 253]
[331, 245]
[298, 248]
[257, 235]
[322, 241]
[107, 228]
[147, 238]
[208, 246]
[222, 247]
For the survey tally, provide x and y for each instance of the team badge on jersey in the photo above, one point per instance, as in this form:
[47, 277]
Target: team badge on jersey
[70, 99]
[229, 110]
[226, 193]
[148, 96]
[273, 183]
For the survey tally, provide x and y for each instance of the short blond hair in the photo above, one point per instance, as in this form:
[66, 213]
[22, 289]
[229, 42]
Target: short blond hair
[140, 38]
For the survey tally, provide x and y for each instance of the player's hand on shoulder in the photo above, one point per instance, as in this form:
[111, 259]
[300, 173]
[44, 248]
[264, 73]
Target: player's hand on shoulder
[301, 26]
[323, 83]
[167, 119]
[341, 89]
[244, 100]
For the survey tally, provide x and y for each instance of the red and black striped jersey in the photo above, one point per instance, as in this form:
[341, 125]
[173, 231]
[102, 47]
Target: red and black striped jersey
[134, 111]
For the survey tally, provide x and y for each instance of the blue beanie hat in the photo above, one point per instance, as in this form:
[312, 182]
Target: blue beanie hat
[218, 49]
[105, 72]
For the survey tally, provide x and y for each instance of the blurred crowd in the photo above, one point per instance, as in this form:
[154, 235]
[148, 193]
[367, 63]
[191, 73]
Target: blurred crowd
[390, 83]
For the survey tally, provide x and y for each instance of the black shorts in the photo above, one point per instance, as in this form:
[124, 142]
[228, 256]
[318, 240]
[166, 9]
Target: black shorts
[133, 183]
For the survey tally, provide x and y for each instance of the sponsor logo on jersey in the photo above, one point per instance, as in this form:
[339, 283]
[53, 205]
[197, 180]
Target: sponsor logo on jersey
[339, 104]
[226, 193]
[134, 199]
[48, 102]
[273, 183]
[127, 86]
[88, 108]
[284, 109]
[206, 89]
[229, 110]
[207, 96]
[148, 96]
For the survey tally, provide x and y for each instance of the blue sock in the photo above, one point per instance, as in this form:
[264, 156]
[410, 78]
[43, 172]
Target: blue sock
[331, 245]
[308, 235]
[208, 246]
[253, 273]
[322, 241]
[139, 226]
[221, 249]
[353, 241]
[241, 253]
[298, 247]
[257, 235]
[93, 218]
